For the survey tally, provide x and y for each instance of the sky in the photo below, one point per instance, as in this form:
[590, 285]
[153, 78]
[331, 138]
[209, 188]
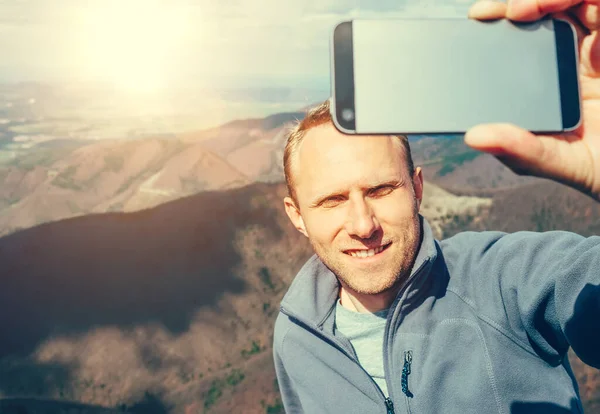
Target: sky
[152, 44]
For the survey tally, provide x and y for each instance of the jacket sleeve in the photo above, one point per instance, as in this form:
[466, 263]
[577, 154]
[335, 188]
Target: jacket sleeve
[289, 397]
[545, 285]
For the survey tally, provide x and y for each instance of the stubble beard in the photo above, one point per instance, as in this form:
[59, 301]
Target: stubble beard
[383, 277]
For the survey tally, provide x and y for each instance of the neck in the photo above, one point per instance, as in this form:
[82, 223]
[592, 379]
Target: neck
[364, 303]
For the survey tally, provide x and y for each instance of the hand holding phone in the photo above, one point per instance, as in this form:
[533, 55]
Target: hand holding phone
[569, 158]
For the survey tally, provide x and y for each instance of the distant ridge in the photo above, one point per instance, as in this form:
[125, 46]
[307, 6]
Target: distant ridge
[311, 106]
[268, 123]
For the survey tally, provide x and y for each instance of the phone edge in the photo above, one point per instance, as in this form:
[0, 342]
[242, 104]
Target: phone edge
[333, 98]
[566, 89]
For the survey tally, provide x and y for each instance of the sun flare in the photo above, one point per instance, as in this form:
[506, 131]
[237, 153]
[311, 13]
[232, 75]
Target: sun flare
[132, 43]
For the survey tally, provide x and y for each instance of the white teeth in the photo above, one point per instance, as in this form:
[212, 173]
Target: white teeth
[366, 253]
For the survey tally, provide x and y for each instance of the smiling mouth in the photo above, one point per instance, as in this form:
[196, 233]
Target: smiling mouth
[363, 253]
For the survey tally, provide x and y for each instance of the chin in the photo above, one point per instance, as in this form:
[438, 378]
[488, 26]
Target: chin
[383, 286]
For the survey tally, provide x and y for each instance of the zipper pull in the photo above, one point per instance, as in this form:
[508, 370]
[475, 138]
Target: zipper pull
[390, 406]
[405, 372]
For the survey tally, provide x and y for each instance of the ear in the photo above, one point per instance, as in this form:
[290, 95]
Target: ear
[293, 213]
[418, 186]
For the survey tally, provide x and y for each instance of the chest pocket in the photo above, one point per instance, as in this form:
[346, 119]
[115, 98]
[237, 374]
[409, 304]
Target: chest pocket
[450, 370]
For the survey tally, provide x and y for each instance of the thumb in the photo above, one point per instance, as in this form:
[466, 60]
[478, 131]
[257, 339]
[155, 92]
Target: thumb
[520, 150]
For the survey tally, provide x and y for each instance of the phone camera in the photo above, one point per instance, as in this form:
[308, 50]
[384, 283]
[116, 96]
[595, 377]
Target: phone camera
[347, 114]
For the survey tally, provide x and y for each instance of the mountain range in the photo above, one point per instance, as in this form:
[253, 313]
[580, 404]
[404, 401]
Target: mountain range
[144, 275]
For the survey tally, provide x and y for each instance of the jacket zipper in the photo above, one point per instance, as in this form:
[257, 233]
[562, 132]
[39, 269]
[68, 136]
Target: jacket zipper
[386, 345]
[335, 342]
[406, 372]
[390, 406]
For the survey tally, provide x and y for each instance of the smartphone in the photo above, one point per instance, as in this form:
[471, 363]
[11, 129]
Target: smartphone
[444, 76]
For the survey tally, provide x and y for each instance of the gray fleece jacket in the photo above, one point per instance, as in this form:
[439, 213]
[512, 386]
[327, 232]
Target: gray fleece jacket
[483, 325]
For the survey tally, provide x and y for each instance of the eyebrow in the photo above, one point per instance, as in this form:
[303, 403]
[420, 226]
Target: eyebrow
[322, 198]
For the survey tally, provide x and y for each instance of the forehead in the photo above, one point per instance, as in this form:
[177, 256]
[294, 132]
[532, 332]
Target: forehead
[328, 160]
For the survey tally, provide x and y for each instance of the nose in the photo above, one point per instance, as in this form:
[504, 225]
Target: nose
[361, 221]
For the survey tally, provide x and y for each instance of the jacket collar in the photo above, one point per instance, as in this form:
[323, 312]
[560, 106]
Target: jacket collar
[312, 294]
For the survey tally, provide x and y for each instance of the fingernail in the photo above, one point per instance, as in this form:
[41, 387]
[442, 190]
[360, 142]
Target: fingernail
[478, 134]
[516, 6]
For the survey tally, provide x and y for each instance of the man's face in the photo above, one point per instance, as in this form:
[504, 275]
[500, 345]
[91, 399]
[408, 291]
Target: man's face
[358, 205]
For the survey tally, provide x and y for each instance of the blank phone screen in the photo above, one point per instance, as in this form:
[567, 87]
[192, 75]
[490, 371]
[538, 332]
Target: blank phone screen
[447, 75]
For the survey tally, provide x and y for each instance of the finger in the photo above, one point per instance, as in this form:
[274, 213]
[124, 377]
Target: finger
[487, 10]
[521, 151]
[589, 15]
[530, 10]
[504, 140]
[580, 29]
[565, 159]
[590, 63]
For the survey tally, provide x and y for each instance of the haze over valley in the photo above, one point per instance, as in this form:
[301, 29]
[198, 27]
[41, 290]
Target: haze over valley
[143, 273]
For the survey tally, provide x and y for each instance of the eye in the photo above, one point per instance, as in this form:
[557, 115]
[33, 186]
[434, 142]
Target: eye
[382, 190]
[332, 201]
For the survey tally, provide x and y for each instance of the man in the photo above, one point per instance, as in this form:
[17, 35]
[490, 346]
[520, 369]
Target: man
[383, 318]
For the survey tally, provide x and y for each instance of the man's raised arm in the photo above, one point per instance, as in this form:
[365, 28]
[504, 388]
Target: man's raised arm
[540, 289]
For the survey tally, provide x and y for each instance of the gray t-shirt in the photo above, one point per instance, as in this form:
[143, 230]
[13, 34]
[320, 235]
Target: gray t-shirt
[365, 332]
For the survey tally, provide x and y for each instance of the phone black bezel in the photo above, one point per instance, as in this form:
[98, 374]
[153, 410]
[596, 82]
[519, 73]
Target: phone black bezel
[566, 57]
[343, 91]
[343, 68]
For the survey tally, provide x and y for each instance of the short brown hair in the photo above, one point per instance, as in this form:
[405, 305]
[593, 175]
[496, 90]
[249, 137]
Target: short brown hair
[320, 115]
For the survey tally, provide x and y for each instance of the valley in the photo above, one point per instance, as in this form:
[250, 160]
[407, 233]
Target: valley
[144, 275]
